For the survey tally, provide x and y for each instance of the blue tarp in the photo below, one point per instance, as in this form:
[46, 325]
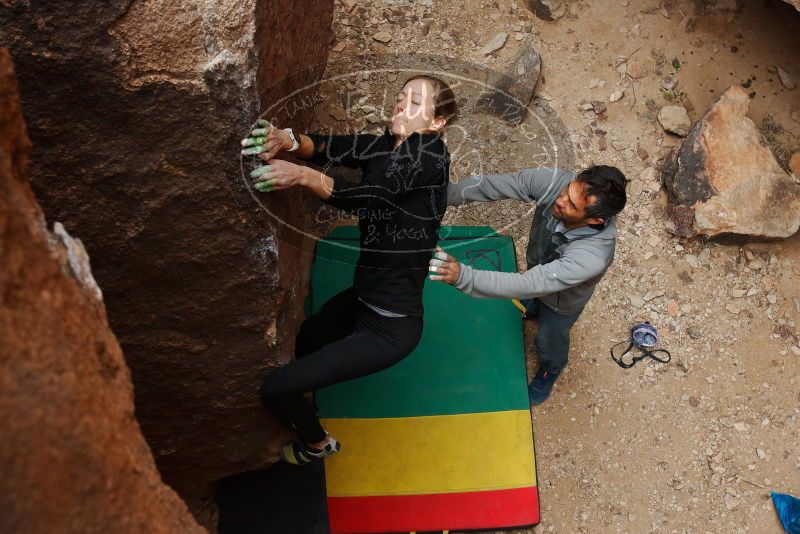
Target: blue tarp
[788, 509]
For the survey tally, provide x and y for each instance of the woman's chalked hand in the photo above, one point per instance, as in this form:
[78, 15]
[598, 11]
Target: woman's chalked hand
[277, 175]
[265, 141]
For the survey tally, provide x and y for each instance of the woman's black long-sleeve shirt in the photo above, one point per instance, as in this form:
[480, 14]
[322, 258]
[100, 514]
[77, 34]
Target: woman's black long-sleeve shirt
[399, 203]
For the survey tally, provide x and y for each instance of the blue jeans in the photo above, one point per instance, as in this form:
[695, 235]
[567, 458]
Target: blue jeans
[552, 339]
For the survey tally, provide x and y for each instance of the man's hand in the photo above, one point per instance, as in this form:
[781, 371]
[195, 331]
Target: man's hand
[279, 174]
[266, 141]
[445, 266]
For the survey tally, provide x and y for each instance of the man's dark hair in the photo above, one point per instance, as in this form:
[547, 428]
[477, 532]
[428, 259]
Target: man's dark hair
[607, 184]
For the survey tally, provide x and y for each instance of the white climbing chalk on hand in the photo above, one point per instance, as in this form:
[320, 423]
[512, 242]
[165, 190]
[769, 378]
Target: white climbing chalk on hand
[250, 141]
[260, 171]
[253, 150]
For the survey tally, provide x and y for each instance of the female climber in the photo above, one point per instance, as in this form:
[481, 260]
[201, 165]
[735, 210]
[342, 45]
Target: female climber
[399, 203]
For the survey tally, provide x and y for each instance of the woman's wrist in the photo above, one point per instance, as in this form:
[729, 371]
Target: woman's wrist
[306, 176]
[287, 141]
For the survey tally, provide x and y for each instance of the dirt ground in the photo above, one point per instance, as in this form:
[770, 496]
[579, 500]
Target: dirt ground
[696, 445]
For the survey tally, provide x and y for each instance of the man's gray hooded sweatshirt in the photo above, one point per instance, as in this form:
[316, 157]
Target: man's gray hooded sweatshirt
[563, 267]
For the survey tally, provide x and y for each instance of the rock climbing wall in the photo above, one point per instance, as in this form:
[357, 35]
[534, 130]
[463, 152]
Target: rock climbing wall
[135, 110]
[72, 455]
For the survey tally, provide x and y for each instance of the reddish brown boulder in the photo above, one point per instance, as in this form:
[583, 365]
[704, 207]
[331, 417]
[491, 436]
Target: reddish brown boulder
[72, 456]
[135, 110]
[724, 181]
[794, 164]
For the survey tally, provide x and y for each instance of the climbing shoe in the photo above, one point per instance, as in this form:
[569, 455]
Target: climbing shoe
[299, 453]
[539, 390]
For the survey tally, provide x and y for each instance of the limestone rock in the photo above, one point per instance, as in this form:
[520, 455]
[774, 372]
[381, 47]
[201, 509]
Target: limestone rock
[636, 69]
[599, 107]
[549, 10]
[724, 181]
[673, 310]
[674, 119]
[135, 110]
[72, 455]
[382, 37]
[787, 80]
[668, 83]
[512, 90]
[636, 301]
[494, 44]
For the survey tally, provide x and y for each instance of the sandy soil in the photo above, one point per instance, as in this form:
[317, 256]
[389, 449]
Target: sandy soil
[696, 445]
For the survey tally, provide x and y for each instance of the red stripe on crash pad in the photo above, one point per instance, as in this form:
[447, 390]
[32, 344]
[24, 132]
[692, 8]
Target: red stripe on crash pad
[443, 511]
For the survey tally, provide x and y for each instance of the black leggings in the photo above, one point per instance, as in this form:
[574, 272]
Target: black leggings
[344, 340]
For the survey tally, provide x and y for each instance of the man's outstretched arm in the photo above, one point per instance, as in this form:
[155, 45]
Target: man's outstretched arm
[574, 268]
[528, 185]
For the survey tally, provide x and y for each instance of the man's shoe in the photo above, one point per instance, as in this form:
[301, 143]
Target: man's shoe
[299, 453]
[539, 390]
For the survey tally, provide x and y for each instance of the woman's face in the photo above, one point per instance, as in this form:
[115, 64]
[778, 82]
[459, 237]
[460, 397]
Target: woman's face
[414, 109]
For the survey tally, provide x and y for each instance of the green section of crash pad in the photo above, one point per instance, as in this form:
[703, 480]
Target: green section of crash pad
[471, 356]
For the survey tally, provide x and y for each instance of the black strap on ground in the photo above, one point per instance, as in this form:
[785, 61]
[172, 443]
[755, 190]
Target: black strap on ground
[645, 353]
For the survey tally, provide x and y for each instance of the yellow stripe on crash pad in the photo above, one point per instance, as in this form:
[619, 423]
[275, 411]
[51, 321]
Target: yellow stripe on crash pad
[434, 454]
